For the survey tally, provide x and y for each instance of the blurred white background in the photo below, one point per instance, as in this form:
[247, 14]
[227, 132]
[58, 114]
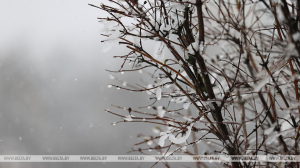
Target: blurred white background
[53, 84]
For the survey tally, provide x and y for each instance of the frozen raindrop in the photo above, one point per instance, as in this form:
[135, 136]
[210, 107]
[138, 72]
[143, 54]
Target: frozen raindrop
[149, 107]
[109, 86]
[158, 93]
[155, 130]
[122, 72]
[111, 76]
[128, 118]
[114, 123]
[296, 36]
[149, 143]
[150, 150]
[118, 88]
[160, 111]
[140, 71]
[124, 83]
[144, 119]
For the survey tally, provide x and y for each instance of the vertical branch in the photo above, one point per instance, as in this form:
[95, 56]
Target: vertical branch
[200, 20]
[216, 112]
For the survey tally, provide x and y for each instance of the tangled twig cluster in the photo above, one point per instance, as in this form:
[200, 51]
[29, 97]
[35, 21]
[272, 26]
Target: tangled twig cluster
[243, 98]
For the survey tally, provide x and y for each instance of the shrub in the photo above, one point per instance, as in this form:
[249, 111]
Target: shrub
[233, 65]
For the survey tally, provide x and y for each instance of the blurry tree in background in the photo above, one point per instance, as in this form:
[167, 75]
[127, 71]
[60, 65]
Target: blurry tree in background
[241, 100]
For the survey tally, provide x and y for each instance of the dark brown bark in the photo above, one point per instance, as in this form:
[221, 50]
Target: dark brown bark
[216, 112]
[200, 20]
